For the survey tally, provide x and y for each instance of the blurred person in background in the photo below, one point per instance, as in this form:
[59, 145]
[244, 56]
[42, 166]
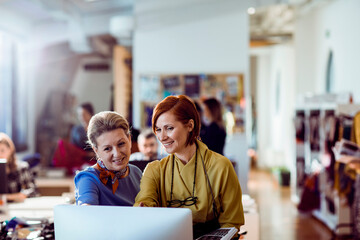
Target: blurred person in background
[76, 154]
[214, 133]
[78, 135]
[148, 147]
[20, 179]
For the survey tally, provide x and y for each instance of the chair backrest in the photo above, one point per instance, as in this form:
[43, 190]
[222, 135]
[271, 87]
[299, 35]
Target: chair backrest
[140, 164]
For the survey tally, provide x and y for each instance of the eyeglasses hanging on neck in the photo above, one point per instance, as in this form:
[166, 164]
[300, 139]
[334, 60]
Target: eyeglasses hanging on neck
[179, 203]
[187, 201]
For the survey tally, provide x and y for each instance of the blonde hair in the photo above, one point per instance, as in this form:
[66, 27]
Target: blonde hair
[11, 161]
[104, 122]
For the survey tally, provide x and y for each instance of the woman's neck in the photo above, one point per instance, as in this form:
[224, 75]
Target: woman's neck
[187, 153]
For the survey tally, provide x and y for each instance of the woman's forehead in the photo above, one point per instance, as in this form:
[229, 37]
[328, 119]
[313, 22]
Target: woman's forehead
[2, 144]
[111, 136]
[166, 118]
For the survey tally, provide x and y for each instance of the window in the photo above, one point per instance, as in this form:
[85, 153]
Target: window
[13, 97]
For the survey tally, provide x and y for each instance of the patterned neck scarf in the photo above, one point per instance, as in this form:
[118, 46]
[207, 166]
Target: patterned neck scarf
[115, 175]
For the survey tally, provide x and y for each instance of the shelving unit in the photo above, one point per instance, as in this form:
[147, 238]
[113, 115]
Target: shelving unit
[309, 151]
[314, 156]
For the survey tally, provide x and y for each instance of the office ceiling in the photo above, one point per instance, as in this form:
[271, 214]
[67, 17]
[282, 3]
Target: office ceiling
[37, 10]
[89, 18]
[272, 24]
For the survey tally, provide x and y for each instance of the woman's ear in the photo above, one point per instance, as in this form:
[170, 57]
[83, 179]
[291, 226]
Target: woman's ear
[95, 150]
[191, 125]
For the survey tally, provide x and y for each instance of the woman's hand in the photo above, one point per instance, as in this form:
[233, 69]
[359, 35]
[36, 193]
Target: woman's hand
[16, 197]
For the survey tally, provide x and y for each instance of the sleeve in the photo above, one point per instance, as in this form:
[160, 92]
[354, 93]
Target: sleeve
[86, 189]
[27, 181]
[149, 193]
[231, 214]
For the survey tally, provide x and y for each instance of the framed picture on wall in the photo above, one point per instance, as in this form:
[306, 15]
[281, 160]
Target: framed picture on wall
[171, 85]
[192, 85]
[149, 87]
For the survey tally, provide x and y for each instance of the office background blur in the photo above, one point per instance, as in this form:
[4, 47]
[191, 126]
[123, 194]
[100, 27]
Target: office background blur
[57, 54]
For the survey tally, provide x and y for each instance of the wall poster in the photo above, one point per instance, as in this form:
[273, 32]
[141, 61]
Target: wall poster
[192, 85]
[227, 88]
[149, 88]
[171, 85]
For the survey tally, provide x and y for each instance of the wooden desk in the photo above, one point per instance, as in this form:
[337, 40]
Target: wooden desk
[55, 186]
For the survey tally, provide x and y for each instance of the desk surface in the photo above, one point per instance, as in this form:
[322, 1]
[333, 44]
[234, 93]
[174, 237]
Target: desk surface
[252, 219]
[39, 207]
[68, 181]
[42, 207]
[55, 186]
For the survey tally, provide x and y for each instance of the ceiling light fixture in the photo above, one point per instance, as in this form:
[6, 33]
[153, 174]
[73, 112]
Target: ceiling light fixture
[251, 10]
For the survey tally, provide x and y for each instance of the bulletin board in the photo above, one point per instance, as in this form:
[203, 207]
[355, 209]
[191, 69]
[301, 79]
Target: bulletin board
[227, 88]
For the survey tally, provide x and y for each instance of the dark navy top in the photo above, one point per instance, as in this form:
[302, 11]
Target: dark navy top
[214, 137]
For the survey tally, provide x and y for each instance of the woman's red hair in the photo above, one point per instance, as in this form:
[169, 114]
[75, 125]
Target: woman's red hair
[183, 109]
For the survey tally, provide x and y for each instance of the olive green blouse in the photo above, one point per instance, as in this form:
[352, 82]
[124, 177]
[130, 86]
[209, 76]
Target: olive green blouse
[155, 186]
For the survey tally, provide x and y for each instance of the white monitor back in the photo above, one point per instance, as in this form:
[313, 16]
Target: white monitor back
[114, 222]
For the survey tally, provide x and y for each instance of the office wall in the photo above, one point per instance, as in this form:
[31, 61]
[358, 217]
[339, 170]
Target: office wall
[216, 44]
[263, 71]
[16, 25]
[275, 98]
[93, 86]
[330, 26]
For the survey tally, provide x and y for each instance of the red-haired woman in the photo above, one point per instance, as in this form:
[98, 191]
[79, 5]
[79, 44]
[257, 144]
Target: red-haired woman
[192, 176]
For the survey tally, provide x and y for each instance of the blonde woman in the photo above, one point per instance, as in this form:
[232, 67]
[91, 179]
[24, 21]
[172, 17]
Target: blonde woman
[112, 180]
[20, 180]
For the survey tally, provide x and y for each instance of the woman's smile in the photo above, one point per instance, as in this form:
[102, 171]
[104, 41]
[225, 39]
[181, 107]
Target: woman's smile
[118, 160]
[167, 144]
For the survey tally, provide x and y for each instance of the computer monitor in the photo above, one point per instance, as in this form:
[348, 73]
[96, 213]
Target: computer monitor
[114, 222]
[3, 176]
